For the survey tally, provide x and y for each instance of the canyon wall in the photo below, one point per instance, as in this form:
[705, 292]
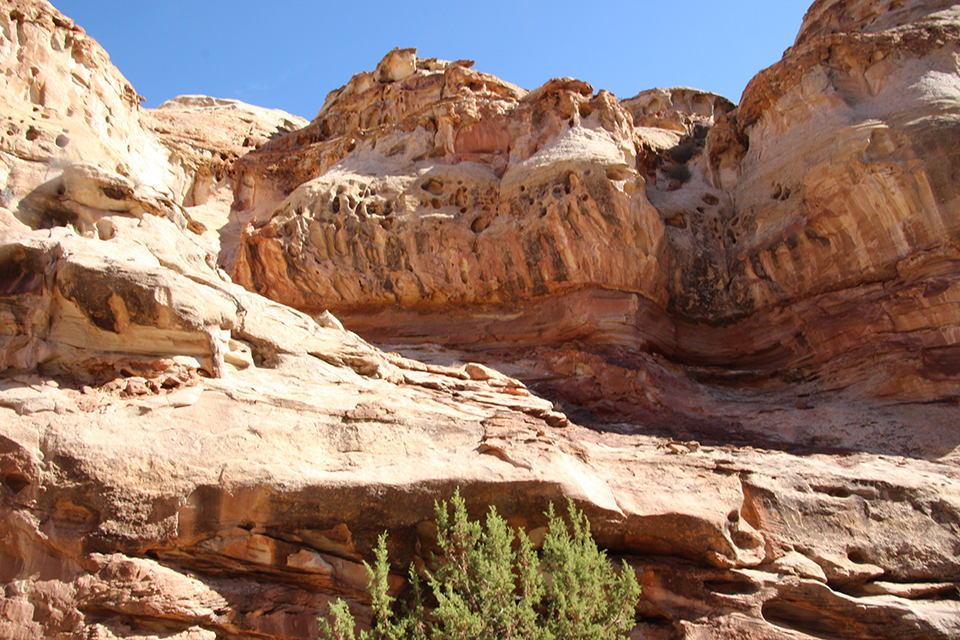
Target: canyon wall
[807, 235]
[236, 346]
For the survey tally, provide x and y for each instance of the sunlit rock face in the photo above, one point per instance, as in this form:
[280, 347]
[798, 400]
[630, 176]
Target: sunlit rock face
[458, 189]
[804, 236]
[849, 172]
[727, 333]
[64, 103]
[846, 196]
[452, 194]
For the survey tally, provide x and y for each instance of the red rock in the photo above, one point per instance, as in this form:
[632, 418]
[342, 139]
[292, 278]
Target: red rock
[753, 308]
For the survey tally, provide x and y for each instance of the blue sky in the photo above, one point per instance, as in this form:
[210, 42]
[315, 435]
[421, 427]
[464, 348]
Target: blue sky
[289, 54]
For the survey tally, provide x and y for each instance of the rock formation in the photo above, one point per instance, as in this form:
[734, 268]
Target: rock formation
[727, 332]
[802, 244]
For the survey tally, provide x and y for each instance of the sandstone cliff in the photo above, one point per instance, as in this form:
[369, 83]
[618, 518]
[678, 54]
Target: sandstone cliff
[801, 245]
[728, 332]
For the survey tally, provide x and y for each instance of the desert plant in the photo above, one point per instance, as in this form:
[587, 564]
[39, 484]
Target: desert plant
[489, 583]
[683, 151]
[679, 172]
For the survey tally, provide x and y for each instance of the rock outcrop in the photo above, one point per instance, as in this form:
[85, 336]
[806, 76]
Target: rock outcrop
[802, 243]
[728, 333]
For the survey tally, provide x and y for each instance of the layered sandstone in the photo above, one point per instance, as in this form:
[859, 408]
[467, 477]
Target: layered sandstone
[246, 525]
[806, 236]
[754, 308]
[454, 189]
[65, 103]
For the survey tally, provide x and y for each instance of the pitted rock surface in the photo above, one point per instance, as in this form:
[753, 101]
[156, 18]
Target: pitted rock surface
[727, 332]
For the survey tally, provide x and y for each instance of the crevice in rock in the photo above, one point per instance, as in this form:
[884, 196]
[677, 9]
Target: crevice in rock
[808, 619]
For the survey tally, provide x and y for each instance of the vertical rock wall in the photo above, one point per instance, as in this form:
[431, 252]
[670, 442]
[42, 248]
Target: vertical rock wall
[754, 308]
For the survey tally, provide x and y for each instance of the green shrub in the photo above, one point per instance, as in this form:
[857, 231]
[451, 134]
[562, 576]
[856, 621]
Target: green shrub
[679, 172]
[683, 151]
[488, 583]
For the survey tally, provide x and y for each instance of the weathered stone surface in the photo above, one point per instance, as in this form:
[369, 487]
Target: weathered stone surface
[64, 103]
[204, 137]
[480, 195]
[774, 420]
[848, 161]
[805, 236]
[305, 461]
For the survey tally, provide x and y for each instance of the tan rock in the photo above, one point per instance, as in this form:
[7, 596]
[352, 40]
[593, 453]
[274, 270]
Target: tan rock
[144, 588]
[798, 564]
[388, 224]
[85, 194]
[792, 239]
[64, 103]
[398, 65]
[181, 457]
[206, 136]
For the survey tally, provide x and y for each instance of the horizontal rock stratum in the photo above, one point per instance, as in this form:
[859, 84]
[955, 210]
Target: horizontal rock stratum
[236, 346]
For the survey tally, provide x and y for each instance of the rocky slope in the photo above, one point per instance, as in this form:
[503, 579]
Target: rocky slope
[729, 333]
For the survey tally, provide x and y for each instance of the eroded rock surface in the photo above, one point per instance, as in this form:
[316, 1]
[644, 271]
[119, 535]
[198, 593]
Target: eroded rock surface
[753, 308]
[802, 244]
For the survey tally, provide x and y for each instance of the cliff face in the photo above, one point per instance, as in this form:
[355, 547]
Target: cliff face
[729, 333]
[802, 244]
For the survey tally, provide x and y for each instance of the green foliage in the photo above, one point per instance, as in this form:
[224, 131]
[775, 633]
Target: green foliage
[684, 151]
[341, 625]
[679, 172]
[488, 583]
